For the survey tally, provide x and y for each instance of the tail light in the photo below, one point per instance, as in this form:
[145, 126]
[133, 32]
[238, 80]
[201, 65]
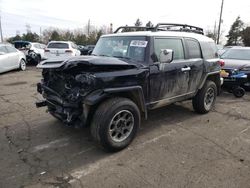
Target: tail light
[46, 50]
[221, 62]
[68, 51]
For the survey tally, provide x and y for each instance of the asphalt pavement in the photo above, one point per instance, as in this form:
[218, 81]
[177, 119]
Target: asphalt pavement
[175, 147]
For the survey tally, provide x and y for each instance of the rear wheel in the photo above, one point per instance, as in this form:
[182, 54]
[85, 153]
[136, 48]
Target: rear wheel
[115, 123]
[205, 98]
[22, 65]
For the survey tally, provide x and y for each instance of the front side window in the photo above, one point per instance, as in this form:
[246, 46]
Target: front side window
[127, 47]
[11, 49]
[193, 49]
[3, 49]
[169, 43]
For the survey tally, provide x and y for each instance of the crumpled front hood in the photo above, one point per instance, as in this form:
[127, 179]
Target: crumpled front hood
[85, 60]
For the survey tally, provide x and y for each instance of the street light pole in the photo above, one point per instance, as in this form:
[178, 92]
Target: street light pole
[221, 10]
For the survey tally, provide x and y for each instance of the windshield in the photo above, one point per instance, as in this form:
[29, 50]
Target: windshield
[58, 45]
[241, 54]
[122, 47]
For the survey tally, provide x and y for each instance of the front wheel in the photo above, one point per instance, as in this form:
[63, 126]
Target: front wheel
[205, 98]
[115, 123]
[22, 65]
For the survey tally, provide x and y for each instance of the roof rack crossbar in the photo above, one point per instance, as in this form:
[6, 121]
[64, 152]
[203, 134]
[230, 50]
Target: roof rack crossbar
[134, 28]
[182, 27]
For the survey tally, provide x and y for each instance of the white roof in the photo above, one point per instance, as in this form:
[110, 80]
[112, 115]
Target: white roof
[198, 37]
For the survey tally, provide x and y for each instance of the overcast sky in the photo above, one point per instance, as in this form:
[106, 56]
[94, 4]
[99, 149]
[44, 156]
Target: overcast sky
[71, 14]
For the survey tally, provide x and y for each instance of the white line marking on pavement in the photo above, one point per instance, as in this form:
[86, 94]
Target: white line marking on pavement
[81, 172]
[55, 143]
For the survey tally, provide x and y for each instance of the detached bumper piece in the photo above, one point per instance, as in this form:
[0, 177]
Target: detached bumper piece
[41, 103]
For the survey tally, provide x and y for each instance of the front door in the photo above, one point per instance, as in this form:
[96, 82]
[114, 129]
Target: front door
[169, 80]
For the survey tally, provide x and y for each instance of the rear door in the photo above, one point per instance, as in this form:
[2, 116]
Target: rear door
[194, 62]
[169, 80]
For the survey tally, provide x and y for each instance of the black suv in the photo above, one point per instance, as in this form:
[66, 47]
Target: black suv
[128, 74]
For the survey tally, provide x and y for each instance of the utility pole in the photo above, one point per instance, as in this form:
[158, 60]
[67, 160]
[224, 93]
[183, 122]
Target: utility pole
[88, 27]
[1, 32]
[221, 10]
[215, 27]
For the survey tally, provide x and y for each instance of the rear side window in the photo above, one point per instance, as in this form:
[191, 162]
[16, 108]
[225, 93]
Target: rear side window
[209, 50]
[58, 45]
[193, 48]
[169, 43]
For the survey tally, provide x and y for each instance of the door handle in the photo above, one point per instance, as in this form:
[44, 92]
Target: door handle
[185, 69]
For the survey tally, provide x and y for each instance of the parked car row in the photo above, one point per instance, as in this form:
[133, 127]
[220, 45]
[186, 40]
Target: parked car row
[34, 52]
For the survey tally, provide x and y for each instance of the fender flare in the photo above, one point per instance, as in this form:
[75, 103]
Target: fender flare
[206, 76]
[98, 95]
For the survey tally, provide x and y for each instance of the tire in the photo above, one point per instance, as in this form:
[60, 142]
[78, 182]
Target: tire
[38, 59]
[115, 123]
[238, 92]
[22, 65]
[205, 98]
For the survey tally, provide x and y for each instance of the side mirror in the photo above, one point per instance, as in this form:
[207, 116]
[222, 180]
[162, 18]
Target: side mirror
[2, 53]
[166, 56]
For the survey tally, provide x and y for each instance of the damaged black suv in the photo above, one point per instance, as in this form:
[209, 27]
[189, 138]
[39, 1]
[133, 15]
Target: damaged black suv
[127, 74]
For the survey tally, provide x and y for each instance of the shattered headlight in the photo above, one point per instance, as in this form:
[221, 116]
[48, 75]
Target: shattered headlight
[86, 80]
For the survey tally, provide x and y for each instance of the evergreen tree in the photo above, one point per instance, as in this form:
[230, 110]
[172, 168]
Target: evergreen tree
[246, 36]
[234, 35]
[138, 22]
[149, 24]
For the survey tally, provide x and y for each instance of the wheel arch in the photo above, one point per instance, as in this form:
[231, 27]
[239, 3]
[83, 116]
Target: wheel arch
[134, 93]
[215, 77]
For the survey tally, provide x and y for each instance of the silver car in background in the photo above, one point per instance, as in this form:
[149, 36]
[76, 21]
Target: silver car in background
[11, 58]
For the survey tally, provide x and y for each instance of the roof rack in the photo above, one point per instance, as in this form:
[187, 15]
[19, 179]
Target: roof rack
[162, 27]
[178, 27]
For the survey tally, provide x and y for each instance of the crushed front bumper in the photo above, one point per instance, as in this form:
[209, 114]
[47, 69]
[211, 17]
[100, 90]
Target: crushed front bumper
[70, 113]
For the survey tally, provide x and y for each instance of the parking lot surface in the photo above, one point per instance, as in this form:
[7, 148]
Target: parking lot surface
[175, 147]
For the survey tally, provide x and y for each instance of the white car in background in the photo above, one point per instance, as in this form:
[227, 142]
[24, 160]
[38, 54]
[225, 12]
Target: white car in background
[34, 51]
[38, 48]
[11, 58]
[60, 49]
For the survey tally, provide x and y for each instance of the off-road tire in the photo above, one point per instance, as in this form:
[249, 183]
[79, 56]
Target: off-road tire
[199, 104]
[103, 116]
